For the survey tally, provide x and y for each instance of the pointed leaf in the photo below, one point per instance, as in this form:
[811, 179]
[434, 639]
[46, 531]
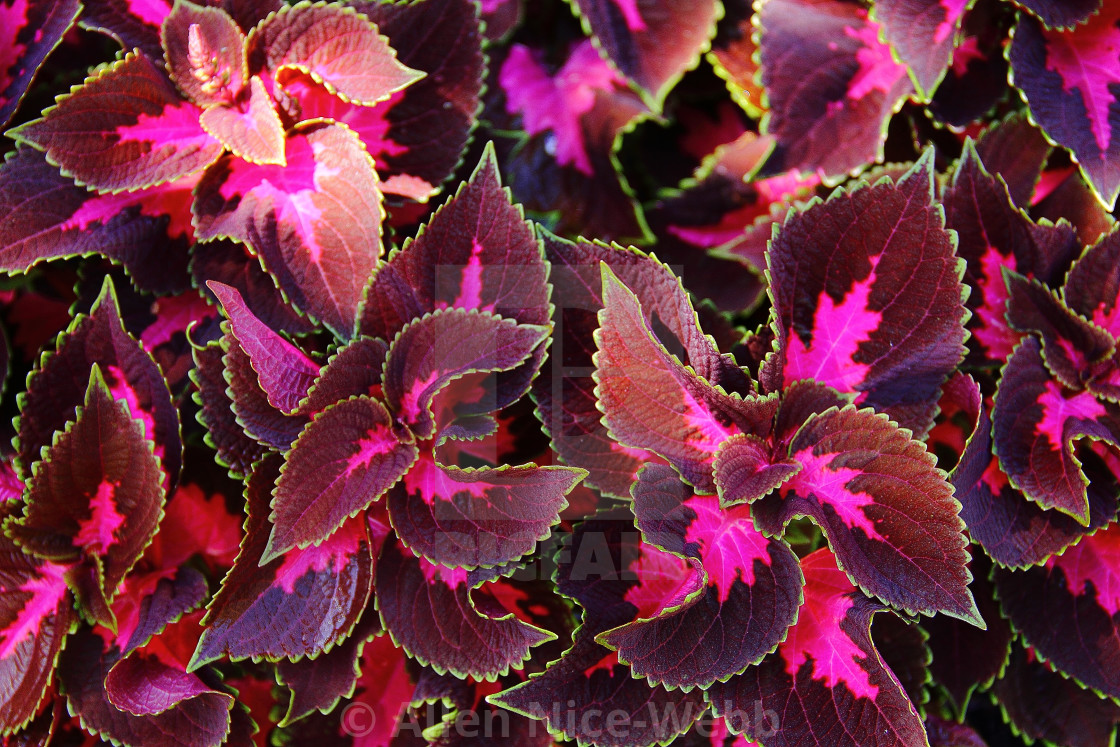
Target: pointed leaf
[1016, 150]
[235, 449]
[353, 369]
[250, 406]
[1092, 288]
[300, 605]
[477, 517]
[1061, 13]
[868, 297]
[1069, 609]
[31, 30]
[165, 604]
[745, 470]
[125, 128]
[284, 372]
[201, 721]
[36, 614]
[887, 511]
[335, 45]
[344, 460]
[443, 346]
[205, 53]
[44, 216]
[432, 613]
[59, 385]
[97, 495]
[1036, 423]
[316, 222]
[249, 128]
[1067, 78]
[749, 599]
[923, 33]
[653, 42]
[145, 686]
[825, 71]
[826, 684]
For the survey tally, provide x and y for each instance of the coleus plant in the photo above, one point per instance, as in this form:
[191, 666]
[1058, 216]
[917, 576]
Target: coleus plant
[339, 456]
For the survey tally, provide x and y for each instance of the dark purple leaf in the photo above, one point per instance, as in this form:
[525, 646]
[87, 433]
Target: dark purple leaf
[826, 684]
[1061, 13]
[353, 369]
[235, 449]
[31, 30]
[1068, 610]
[142, 685]
[126, 128]
[1015, 150]
[746, 470]
[1092, 288]
[249, 403]
[444, 620]
[300, 605]
[168, 601]
[923, 34]
[868, 297]
[133, 23]
[831, 84]
[315, 222]
[944, 733]
[1068, 79]
[343, 461]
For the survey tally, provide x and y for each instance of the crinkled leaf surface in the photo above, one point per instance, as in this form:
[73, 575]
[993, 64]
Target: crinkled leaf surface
[125, 128]
[295, 606]
[31, 30]
[923, 35]
[249, 402]
[249, 128]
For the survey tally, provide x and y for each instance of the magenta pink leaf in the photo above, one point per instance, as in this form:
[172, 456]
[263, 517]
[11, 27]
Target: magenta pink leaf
[477, 517]
[205, 53]
[749, 598]
[652, 401]
[445, 618]
[653, 42]
[868, 296]
[443, 346]
[826, 72]
[97, 496]
[923, 33]
[284, 372]
[1036, 422]
[316, 222]
[1068, 610]
[29, 31]
[335, 45]
[344, 460]
[60, 383]
[125, 128]
[44, 216]
[248, 127]
[746, 470]
[36, 614]
[887, 511]
[826, 684]
[299, 605]
[1068, 79]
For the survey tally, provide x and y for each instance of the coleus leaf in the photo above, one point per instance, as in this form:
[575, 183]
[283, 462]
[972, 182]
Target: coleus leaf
[316, 222]
[250, 128]
[1016, 150]
[235, 450]
[250, 405]
[343, 461]
[203, 720]
[353, 369]
[335, 45]
[299, 605]
[445, 618]
[597, 568]
[652, 42]
[887, 511]
[1068, 610]
[652, 401]
[1044, 705]
[1061, 15]
[125, 128]
[879, 312]
[132, 23]
[825, 71]
[748, 601]
[826, 679]
[477, 517]
[1036, 424]
[946, 733]
[159, 606]
[44, 216]
[284, 372]
[205, 53]
[1067, 79]
[31, 30]
[60, 383]
[36, 615]
[992, 234]
[910, 26]
[444, 345]
[96, 499]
